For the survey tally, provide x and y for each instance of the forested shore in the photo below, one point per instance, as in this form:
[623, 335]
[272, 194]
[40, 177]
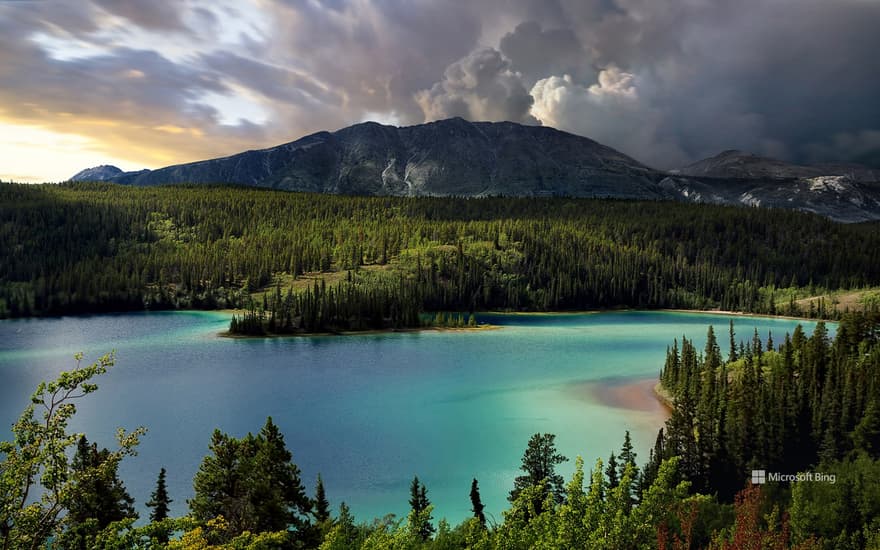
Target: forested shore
[322, 263]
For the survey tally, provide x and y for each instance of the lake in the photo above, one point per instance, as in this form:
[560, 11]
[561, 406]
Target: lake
[369, 411]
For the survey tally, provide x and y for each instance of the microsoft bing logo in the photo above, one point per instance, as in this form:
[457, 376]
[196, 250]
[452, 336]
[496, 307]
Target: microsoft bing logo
[759, 477]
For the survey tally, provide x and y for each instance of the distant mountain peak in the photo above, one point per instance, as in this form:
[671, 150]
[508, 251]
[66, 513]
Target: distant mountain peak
[103, 172]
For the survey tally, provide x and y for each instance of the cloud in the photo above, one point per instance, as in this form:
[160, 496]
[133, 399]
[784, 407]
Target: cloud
[161, 15]
[479, 86]
[609, 111]
[667, 81]
[537, 53]
[862, 146]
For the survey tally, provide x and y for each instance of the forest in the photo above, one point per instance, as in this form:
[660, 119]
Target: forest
[792, 403]
[298, 263]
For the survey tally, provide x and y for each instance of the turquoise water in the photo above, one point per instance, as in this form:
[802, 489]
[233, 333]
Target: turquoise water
[367, 412]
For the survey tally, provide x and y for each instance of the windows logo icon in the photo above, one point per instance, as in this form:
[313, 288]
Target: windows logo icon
[759, 477]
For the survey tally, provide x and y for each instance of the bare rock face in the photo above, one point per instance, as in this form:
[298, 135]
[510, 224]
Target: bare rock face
[455, 157]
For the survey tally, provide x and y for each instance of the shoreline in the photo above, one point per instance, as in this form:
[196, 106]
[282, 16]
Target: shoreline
[742, 314]
[669, 310]
[478, 328]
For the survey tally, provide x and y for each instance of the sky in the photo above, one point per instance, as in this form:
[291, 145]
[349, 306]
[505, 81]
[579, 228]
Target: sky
[144, 84]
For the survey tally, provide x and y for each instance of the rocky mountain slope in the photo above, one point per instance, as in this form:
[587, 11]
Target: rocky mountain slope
[449, 157]
[843, 192]
[456, 157]
[105, 172]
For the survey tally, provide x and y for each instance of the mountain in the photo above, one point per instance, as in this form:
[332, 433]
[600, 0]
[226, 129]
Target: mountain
[105, 172]
[739, 164]
[448, 157]
[842, 192]
[457, 157]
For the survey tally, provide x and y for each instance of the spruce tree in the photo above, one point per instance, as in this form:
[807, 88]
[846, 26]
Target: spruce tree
[611, 471]
[420, 515]
[97, 500]
[159, 500]
[254, 484]
[477, 503]
[322, 505]
[539, 463]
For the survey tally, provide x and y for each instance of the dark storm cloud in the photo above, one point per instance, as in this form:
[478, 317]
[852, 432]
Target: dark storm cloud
[666, 81]
[537, 53]
[770, 77]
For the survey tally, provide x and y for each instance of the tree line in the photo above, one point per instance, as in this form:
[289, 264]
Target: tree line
[78, 247]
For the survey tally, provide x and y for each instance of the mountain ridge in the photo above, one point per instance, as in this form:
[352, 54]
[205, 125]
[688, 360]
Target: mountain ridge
[455, 157]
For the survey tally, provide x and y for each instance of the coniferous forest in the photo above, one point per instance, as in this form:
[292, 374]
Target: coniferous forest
[308, 263]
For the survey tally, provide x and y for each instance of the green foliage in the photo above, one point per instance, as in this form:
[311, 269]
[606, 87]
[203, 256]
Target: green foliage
[253, 484]
[539, 463]
[420, 510]
[39, 481]
[321, 504]
[211, 247]
[98, 499]
[783, 410]
[843, 514]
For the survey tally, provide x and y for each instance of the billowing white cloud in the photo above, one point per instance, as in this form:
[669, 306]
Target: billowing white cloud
[479, 86]
[609, 111]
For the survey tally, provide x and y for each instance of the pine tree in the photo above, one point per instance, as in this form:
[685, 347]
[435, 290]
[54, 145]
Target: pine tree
[420, 515]
[626, 458]
[159, 502]
[611, 471]
[322, 505]
[731, 357]
[539, 464]
[99, 499]
[477, 503]
[253, 483]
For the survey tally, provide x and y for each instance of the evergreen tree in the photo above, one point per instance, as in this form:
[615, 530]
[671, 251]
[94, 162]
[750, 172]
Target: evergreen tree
[159, 499]
[160, 504]
[477, 503]
[253, 483]
[98, 499]
[731, 356]
[539, 463]
[611, 471]
[627, 459]
[420, 510]
[322, 505]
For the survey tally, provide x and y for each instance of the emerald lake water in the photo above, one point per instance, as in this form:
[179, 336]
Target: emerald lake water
[370, 411]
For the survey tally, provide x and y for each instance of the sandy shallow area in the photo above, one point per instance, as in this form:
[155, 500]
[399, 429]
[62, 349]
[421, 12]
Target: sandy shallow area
[634, 395]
